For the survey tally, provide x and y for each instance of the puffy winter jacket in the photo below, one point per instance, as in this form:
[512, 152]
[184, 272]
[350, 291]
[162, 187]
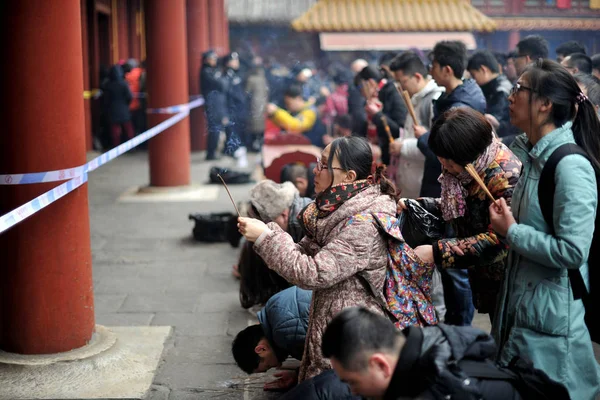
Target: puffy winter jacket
[284, 320]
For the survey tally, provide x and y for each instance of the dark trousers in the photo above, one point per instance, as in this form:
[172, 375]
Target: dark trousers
[458, 297]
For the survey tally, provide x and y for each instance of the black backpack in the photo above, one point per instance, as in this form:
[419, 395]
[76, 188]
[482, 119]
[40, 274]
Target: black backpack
[546, 191]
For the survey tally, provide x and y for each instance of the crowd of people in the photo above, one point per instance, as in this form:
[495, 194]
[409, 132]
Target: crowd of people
[502, 151]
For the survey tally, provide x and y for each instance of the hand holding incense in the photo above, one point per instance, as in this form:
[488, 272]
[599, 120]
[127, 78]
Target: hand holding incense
[471, 170]
[230, 197]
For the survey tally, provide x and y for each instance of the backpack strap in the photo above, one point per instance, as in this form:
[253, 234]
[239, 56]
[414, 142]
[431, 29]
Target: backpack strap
[546, 189]
[485, 369]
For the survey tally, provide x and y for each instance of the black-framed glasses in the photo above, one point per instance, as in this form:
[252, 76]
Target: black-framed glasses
[321, 166]
[518, 87]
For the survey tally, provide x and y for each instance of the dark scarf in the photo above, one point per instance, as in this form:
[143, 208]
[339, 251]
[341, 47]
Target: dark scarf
[327, 202]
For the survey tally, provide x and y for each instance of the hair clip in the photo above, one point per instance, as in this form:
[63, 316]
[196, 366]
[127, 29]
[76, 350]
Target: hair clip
[581, 98]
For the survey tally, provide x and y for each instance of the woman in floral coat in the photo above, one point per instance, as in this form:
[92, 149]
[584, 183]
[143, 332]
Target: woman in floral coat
[344, 264]
[463, 136]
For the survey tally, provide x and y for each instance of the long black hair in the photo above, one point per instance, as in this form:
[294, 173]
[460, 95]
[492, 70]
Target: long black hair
[354, 153]
[461, 135]
[257, 283]
[550, 80]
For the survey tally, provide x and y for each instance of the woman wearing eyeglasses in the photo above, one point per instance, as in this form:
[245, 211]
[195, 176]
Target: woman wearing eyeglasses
[343, 263]
[539, 317]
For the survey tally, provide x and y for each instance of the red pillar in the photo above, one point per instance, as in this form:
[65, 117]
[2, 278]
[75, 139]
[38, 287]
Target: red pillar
[198, 42]
[216, 10]
[513, 38]
[122, 29]
[134, 29]
[46, 297]
[225, 23]
[89, 145]
[169, 152]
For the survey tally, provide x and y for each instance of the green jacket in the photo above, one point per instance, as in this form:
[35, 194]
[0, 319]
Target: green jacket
[537, 317]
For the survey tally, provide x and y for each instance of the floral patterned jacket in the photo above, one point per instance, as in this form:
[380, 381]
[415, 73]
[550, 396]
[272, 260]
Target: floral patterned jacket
[344, 265]
[484, 253]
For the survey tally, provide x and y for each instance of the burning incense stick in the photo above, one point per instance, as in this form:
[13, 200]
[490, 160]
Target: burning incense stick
[230, 197]
[471, 170]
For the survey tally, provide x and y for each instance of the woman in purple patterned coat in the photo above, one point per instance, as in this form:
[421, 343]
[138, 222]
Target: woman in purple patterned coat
[344, 264]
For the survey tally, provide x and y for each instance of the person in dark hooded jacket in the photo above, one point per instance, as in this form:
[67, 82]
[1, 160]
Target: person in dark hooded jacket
[117, 97]
[432, 362]
[384, 107]
[212, 87]
[484, 68]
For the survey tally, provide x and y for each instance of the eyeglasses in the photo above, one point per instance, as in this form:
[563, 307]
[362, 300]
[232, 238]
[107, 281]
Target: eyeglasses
[321, 166]
[518, 87]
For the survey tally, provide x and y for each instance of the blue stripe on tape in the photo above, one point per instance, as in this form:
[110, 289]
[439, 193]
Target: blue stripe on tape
[60, 175]
[23, 212]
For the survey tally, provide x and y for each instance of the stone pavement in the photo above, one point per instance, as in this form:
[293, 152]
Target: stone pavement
[149, 271]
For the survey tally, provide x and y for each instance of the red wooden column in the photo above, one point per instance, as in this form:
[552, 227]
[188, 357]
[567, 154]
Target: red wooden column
[513, 39]
[218, 40]
[122, 39]
[89, 143]
[169, 152]
[46, 297]
[198, 42]
[225, 27]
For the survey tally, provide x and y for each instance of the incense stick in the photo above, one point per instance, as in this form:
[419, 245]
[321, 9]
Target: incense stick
[410, 107]
[471, 170]
[406, 97]
[387, 129]
[229, 193]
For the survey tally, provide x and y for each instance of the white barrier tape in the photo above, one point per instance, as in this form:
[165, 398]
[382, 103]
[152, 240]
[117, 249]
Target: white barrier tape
[178, 108]
[28, 209]
[62, 174]
[130, 144]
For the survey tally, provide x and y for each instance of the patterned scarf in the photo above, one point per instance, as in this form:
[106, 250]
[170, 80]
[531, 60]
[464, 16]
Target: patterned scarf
[327, 202]
[454, 192]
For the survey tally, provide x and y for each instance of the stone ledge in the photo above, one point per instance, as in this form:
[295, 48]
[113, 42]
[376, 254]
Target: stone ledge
[124, 371]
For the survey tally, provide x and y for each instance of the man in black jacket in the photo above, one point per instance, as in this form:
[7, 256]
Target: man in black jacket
[484, 68]
[212, 86]
[385, 108]
[434, 362]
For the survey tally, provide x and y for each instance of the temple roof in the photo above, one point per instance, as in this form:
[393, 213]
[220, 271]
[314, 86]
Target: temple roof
[278, 12]
[393, 16]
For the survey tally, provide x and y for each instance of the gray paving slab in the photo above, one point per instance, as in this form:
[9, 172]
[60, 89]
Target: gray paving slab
[198, 324]
[149, 271]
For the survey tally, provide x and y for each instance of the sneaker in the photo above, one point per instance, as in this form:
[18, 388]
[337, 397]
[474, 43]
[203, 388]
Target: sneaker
[241, 156]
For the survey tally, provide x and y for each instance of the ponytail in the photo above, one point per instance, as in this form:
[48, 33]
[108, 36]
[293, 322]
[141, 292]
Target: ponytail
[586, 130]
[385, 185]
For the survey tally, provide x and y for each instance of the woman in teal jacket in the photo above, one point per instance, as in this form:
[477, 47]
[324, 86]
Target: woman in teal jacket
[537, 317]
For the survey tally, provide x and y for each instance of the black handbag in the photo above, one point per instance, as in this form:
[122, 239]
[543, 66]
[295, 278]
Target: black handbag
[216, 227]
[229, 176]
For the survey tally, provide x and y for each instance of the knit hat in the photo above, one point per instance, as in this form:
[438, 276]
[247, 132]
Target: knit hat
[271, 199]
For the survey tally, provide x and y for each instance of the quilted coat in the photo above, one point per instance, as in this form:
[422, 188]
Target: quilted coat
[344, 265]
